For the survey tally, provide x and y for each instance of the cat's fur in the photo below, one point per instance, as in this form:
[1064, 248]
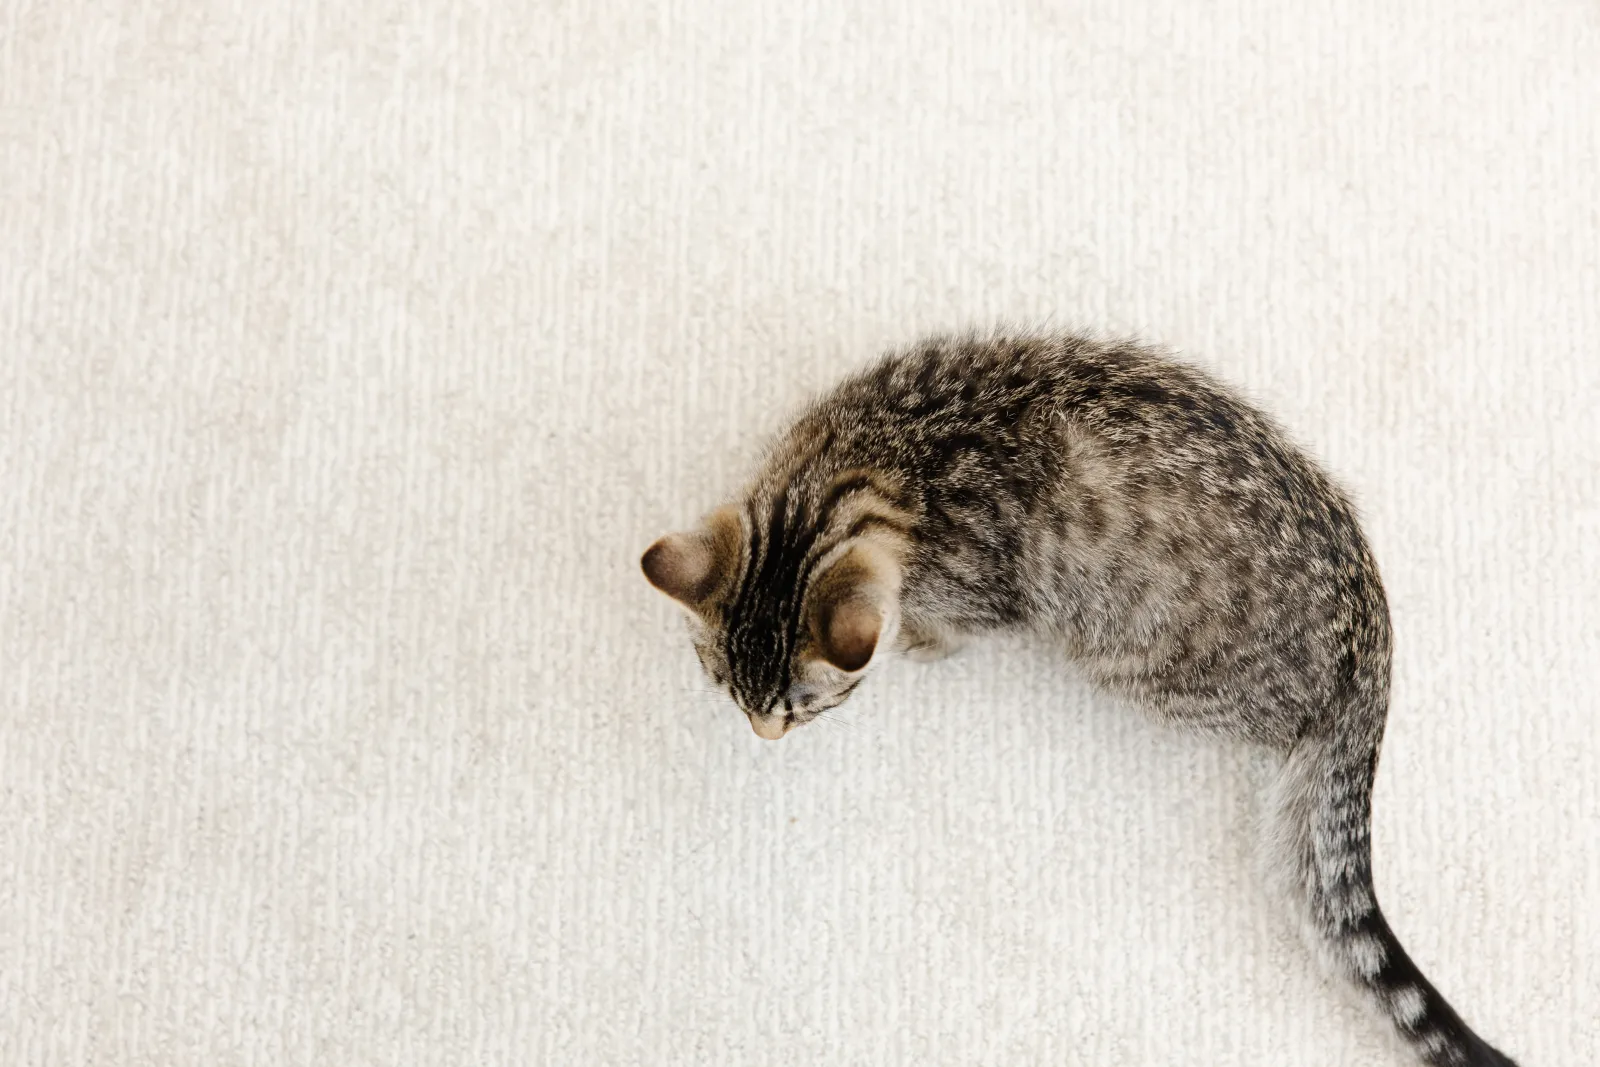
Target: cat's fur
[1188, 556]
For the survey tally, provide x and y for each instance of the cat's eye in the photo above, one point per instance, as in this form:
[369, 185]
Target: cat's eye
[800, 695]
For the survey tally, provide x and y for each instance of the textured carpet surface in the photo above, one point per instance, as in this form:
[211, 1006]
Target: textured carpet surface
[351, 353]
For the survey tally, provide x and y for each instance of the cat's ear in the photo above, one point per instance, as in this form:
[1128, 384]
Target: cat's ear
[692, 567]
[851, 605]
[848, 632]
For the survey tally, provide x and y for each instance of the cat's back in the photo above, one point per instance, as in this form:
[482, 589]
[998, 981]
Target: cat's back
[1098, 482]
[1018, 411]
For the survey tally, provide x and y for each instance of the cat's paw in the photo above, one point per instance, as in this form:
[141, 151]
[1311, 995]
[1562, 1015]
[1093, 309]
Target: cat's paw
[931, 648]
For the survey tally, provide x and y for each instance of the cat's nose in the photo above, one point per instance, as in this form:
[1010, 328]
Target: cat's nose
[769, 727]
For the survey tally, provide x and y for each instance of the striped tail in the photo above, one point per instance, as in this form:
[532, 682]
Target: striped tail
[1320, 839]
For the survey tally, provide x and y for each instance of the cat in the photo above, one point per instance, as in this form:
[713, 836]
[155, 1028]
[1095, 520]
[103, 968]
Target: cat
[1191, 559]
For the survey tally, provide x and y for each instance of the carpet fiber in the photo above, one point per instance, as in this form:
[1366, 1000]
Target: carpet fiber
[351, 353]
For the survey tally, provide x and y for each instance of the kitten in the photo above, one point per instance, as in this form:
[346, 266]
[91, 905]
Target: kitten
[1188, 556]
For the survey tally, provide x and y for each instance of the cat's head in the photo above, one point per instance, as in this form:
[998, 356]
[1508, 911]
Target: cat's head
[787, 622]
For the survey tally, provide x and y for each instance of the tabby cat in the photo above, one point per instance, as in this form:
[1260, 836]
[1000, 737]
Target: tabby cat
[1187, 555]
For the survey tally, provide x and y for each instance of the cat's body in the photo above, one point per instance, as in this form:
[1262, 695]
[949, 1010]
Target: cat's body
[1189, 556]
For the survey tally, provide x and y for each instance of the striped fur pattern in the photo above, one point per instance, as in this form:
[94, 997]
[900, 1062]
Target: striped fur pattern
[1185, 553]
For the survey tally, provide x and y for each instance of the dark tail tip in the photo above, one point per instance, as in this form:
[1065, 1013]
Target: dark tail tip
[1437, 1033]
[1459, 1047]
[1486, 1055]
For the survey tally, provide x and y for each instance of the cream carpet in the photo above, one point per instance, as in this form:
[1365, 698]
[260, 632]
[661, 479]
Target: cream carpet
[351, 353]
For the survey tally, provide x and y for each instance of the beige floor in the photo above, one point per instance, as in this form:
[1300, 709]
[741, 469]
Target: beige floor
[350, 353]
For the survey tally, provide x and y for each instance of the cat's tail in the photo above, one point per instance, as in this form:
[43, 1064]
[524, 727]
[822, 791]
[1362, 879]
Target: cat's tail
[1319, 836]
